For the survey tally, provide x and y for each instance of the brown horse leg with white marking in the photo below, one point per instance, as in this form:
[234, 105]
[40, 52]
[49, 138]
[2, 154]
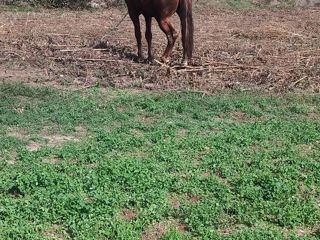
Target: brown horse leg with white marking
[171, 34]
[135, 19]
[149, 37]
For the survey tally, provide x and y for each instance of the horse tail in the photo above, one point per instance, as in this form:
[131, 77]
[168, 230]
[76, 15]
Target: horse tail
[185, 13]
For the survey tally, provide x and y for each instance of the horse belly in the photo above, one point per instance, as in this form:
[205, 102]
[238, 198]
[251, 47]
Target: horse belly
[159, 8]
[169, 7]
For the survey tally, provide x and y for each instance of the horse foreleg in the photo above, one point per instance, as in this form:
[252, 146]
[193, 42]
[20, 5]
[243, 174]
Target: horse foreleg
[137, 31]
[149, 37]
[171, 34]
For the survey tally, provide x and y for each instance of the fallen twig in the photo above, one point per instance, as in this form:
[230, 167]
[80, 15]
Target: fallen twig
[82, 49]
[86, 59]
[162, 64]
[192, 70]
[298, 81]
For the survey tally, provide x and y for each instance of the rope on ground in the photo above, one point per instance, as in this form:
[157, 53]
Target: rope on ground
[114, 27]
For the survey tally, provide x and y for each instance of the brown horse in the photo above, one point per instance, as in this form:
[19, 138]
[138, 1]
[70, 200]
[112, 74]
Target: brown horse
[162, 10]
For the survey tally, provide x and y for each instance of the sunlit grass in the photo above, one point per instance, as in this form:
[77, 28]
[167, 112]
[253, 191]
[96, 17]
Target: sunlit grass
[229, 166]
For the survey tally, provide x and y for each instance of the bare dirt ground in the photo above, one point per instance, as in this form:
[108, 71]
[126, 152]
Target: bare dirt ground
[269, 49]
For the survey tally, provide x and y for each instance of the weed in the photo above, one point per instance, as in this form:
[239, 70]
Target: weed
[127, 165]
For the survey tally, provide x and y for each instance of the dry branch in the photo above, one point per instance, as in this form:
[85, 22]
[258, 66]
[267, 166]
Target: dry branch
[85, 60]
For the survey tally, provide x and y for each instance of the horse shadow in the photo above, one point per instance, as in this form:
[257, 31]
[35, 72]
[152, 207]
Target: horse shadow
[121, 51]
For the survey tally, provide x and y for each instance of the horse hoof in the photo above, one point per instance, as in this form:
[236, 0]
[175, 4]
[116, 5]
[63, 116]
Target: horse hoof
[184, 63]
[164, 60]
[140, 59]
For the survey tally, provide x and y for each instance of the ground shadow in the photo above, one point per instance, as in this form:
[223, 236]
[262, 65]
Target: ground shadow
[122, 51]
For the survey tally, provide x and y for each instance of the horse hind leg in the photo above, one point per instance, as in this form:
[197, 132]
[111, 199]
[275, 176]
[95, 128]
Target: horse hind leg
[172, 36]
[184, 34]
[137, 31]
[187, 29]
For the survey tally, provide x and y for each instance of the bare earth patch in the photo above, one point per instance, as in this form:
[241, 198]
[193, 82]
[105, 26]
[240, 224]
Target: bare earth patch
[238, 114]
[304, 232]
[182, 132]
[92, 165]
[313, 116]
[241, 117]
[147, 120]
[54, 140]
[137, 132]
[224, 180]
[227, 231]
[304, 148]
[53, 232]
[51, 159]
[128, 214]
[34, 146]
[12, 158]
[197, 161]
[176, 200]
[205, 174]
[159, 229]
[156, 231]
[81, 131]
[51, 141]
[57, 140]
[137, 154]
[17, 133]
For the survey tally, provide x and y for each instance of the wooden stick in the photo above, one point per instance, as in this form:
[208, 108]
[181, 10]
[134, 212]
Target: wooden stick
[83, 49]
[162, 64]
[71, 50]
[227, 65]
[296, 82]
[192, 70]
[88, 59]
[97, 60]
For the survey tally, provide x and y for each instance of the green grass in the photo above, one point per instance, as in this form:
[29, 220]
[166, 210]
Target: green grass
[240, 165]
[17, 8]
